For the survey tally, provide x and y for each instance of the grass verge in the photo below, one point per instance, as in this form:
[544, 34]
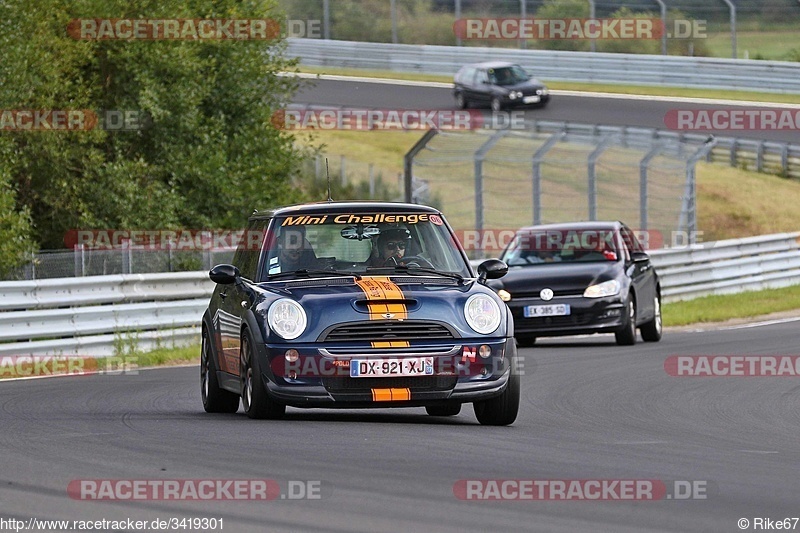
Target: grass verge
[723, 307]
[574, 86]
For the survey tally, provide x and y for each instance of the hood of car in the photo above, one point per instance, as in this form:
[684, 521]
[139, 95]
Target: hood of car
[563, 278]
[399, 300]
[528, 85]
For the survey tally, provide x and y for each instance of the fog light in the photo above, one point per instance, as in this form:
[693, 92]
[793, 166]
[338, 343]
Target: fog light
[485, 351]
[291, 355]
[292, 375]
[483, 371]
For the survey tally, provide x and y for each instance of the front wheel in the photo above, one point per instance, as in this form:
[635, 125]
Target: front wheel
[501, 410]
[215, 399]
[525, 341]
[651, 331]
[255, 398]
[461, 101]
[627, 335]
[497, 104]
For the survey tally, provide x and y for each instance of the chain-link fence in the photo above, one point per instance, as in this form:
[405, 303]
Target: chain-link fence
[491, 183]
[123, 260]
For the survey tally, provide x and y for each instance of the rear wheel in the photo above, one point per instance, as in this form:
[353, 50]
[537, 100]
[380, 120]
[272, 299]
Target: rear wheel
[651, 332]
[215, 399]
[497, 104]
[443, 410]
[501, 410]
[255, 398]
[627, 335]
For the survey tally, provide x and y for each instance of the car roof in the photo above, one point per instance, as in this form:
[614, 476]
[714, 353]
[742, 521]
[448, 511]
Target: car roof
[321, 208]
[593, 225]
[491, 64]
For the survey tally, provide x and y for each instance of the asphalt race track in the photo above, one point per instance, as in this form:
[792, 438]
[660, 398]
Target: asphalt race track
[590, 410]
[613, 111]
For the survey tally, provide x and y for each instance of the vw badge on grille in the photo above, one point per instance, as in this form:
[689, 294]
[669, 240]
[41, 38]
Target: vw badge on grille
[546, 294]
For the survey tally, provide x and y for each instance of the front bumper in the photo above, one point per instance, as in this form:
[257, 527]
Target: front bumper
[587, 315]
[520, 102]
[320, 377]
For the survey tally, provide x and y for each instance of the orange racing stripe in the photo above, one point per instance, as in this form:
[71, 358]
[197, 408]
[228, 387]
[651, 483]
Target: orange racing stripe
[384, 290]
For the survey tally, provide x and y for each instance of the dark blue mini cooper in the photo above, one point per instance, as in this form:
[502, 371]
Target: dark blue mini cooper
[357, 305]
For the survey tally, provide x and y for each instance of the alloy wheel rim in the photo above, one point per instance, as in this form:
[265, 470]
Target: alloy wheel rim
[204, 370]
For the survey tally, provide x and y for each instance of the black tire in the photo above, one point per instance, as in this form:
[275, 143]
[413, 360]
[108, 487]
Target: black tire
[461, 101]
[443, 410]
[255, 398]
[497, 104]
[501, 410]
[627, 335]
[525, 341]
[215, 399]
[651, 331]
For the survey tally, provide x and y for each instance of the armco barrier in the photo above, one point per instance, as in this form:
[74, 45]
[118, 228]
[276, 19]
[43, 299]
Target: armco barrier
[634, 69]
[93, 315]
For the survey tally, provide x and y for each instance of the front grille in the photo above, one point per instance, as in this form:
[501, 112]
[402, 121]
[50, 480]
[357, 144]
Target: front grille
[387, 330]
[421, 383]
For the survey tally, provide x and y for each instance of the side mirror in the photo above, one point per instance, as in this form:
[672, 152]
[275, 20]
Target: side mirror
[224, 274]
[640, 257]
[492, 269]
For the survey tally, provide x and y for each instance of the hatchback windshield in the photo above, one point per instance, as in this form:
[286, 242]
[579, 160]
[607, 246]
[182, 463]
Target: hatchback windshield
[544, 247]
[508, 75]
[362, 243]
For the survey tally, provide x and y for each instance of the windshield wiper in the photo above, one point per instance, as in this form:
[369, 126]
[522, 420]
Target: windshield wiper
[311, 272]
[419, 270]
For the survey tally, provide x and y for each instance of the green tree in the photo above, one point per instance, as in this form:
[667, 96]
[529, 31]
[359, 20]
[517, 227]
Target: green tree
[561, 9]
[208, 152]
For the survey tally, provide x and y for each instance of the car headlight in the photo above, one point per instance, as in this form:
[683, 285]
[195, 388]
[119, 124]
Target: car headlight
[287, 318]
[482, 313]
[607, 288]
[512, 95]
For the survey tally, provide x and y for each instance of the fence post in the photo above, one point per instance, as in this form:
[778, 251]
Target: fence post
[592, 175]
[643, 164]
[371, 182]
[479, 156]
[408, 161]
[458, 17]
[538, 157]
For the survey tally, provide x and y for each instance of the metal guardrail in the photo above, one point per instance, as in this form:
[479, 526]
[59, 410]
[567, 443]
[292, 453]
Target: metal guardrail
[729, 266]
[94, 315]
[636, 69]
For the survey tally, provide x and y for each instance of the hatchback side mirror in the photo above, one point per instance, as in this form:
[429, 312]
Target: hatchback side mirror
[224, 274]
[640, 257]
[492, 269]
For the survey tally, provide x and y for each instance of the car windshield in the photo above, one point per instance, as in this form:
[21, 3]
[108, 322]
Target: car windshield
[360, 243]
[508, 75]
[532, 248]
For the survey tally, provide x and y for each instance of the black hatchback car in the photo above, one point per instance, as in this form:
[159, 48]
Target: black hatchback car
[357, 304]
[580, 278]
[498, 85]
